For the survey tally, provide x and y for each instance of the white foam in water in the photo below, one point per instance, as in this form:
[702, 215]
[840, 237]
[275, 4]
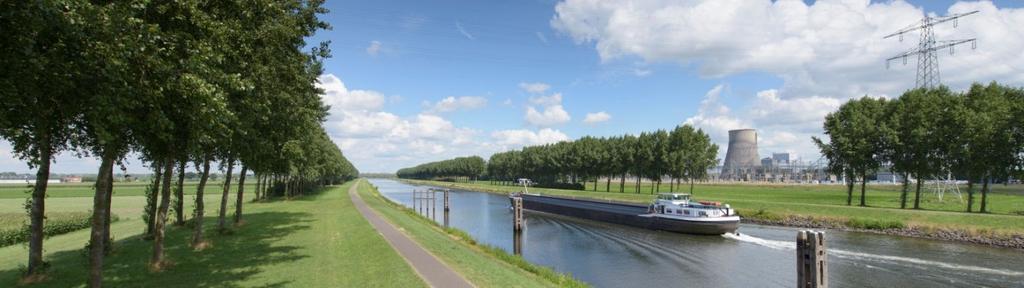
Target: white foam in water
[774, 244]
[787, 245]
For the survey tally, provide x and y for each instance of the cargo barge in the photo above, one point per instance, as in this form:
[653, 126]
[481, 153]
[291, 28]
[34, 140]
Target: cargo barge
[673, 212]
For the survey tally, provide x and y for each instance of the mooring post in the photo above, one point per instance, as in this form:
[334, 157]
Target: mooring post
[517, 243]
[446, 199]
[811, 260]
[517, 214]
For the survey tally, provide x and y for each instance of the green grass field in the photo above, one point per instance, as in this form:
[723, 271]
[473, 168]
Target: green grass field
[313, 241]
[459, 251]
[62, 190]
[822, 201]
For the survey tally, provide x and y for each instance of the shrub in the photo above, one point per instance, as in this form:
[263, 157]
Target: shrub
[56, 224]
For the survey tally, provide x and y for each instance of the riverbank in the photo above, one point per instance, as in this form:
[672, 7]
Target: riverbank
[484, 265]
[785, 208]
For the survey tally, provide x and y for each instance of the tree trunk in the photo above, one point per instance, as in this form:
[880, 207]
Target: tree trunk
[288, 187]
[179, 195]
[608, 184]
[691, 186]
[107, 244]
[903, 193]
[596, 179]
[984, 194]
[917, 195]
[849, 190]
[241, 196]
[99, 204]
[970, 195]
[622, 183]
[38, 209]
[637, 184]
[256, 187]
[221, 221]
[161, 216]
[863, 185]
[657, 186]
[158, 171]
[197, 235]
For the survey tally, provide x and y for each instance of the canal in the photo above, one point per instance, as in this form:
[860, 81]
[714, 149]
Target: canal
[606, 255]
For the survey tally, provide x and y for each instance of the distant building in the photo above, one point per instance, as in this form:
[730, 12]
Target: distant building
[767, 162]
[71, 179]
[781, 158]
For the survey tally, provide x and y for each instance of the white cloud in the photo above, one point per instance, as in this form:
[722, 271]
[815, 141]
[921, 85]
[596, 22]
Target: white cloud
[339, 97]
[825, 53]
[534, 88]
[462, 30]
[598, 117]
[832, 48]
[552, 115]
[384, 141]
[374, 48]
[553, 99]
[450, 103]
[512, 139]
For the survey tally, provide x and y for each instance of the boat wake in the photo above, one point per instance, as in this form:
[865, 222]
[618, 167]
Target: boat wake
[791, 245]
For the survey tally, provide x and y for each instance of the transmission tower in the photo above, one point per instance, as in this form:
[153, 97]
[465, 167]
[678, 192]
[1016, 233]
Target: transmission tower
[927, 48]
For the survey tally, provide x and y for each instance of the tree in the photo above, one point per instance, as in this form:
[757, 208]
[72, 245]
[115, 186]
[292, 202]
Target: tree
[988, 148]
[693, 153]
[855, 141]
[915, 136]
[41, 55]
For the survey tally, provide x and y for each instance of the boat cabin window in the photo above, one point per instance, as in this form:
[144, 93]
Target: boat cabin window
[669, 211]
[673, 196]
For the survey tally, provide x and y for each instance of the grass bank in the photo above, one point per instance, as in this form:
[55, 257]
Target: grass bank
[313, 241]
[481, 264]
[818, 205]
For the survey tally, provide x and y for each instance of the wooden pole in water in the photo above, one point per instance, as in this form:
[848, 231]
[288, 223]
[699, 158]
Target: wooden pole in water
[446, 199]
[517, 214]
[811, 261]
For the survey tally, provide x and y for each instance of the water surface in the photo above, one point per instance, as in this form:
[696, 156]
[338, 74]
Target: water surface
[607, 255]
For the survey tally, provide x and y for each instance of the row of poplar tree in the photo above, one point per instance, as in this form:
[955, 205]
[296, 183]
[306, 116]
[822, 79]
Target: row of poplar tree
[925, 134]
[175, 82]
[471, 167]
[682, 154]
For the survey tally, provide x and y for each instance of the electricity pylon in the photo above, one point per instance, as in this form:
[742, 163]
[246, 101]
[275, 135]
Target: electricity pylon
[927, 47]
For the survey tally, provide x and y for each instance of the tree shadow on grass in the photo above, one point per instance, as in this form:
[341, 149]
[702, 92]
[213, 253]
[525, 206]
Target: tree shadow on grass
[313, 195]
[233, 260]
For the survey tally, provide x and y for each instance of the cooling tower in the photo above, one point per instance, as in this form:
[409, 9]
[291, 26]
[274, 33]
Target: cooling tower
[741, 155]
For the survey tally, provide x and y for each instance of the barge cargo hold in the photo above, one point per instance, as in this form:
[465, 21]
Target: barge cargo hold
[650, 217]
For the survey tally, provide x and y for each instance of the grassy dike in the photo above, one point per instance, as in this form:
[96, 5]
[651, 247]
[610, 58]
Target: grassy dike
[803, 206]
[312, 241]
[481, 264]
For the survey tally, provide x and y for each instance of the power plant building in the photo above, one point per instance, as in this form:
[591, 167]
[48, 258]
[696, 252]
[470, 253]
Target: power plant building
[744, 163]
[741, 159]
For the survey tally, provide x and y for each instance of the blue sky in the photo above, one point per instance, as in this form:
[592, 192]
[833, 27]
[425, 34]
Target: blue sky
[774, 66]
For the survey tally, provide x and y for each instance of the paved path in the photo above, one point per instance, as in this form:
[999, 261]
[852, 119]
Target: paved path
[432, 270]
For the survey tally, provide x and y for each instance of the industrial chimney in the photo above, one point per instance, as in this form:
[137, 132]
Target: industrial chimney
[741, 156]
